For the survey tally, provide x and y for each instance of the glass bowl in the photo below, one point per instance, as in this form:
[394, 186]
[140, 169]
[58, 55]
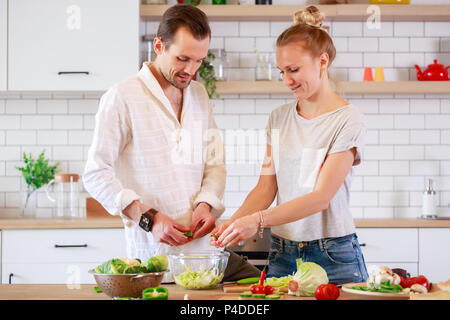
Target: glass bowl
[198, 270]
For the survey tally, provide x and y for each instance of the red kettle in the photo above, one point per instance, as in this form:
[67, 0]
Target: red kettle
[434, 72]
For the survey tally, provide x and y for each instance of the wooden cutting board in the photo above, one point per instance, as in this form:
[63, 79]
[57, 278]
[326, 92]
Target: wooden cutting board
[239, 288]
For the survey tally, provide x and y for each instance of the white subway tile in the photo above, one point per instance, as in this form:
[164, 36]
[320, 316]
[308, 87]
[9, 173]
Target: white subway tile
[341, 44]
[68, 122]
[394, 106]
[437, 121]
[240, 170]
[442, 58]
[240, 44]
[253, 121]
[408, 60]
[349, 60]
[8, 184]
[12, 199]
[445, 106]
[248, 183]
[378, 183]
[266, 106]
[407, 213]
[217, 43]
[415, 198]
[357, 184]
[379, 153]
[10, 153]
[88, 122]
[366, 106]
[241, 74]
[379, 213]
[394, 44]
[67, 153]
[372, 137]
[394, 198]
[232, 184]
[277, 27]
[237, 106]
[254, 29]
[445, 45]
[409, 121]
[441, 152]
[409, 152]
[363, 44]
[2, 106]
[340, 74]
[408, 183]
[52, 106]
[248, 60]
[445, 168]
[347, 29]
[265, 44]
[394, 137]
[424, 44]
[408, 29]
[386, 30]
[20, 106]
[379, 121]
[81, 137]
[425, 137]
[36, 122]
[367, 168]
[357, 212]
[445, 136]
[424, 168]
[425, 106]
[227, 121]
[9, 122]
[76, 166]
[20, 137]
[363, 199]
[393, 168]
[83, 106]
[437, 29]
[234, 199]
[396, 74]
[11, 170]
[2, 169]
[445, 200]
[224, 29]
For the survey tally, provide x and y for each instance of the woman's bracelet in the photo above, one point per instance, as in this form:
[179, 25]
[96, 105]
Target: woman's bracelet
[261, 224]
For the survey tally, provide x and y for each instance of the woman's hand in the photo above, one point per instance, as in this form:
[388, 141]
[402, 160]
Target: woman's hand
[239, 230]
[218, 231]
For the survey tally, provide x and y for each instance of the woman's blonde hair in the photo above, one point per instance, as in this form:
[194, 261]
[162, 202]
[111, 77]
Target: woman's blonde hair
[308, 29]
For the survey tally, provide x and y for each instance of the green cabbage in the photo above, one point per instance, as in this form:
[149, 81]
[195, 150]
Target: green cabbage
[127, 266]
[309, 276]
[203, 279]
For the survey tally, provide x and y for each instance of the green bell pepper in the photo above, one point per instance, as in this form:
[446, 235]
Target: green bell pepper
[156, 293]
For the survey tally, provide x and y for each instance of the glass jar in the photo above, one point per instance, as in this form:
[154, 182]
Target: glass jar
[220, 64]
[264, 67]
[65, 196]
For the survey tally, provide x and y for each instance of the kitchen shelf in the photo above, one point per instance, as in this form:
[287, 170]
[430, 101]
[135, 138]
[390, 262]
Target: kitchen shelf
[342, 87]
[343, 12]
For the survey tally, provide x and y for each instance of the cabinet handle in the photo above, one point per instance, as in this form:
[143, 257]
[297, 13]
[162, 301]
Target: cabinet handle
[73, 72]
[10, 277]
[71, 246]
[362, 244]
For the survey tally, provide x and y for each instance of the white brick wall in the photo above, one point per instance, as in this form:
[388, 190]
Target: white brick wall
[408, 138]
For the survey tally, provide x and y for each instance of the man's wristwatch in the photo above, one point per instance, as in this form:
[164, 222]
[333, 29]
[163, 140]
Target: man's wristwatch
[147, 219]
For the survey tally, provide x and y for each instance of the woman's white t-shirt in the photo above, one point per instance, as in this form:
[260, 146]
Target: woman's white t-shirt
[299, 148]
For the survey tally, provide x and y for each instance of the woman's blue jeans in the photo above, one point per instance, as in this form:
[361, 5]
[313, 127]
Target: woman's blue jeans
[341, 258]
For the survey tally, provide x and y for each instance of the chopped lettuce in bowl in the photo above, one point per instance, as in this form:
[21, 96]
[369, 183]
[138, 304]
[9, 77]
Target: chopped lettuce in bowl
[203, 279]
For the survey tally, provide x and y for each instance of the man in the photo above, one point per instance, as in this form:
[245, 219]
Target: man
[157, 158]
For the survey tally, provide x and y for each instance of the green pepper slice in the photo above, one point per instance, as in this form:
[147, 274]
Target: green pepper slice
[188, 234]
[156, 293]
[97, 289]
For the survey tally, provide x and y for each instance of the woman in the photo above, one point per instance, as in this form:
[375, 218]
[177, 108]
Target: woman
[312, 145]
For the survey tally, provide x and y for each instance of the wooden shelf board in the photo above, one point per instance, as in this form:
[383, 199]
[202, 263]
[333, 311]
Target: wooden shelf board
[342, 87]
[348, 12]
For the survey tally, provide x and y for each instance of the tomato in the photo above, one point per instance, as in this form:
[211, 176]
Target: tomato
[257, 289]
[327, 292]
[293, 286]
[268, 289]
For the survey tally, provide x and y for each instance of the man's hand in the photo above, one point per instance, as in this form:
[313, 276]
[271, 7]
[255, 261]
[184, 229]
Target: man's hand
[202, 220]
[168, 231]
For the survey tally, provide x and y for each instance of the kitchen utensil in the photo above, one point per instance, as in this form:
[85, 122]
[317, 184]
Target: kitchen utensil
[127, 285]
[66, 196]
[373, 295]
[429, 203]
[368, 74]
[208, 265]
[379, 74]
[434, 72]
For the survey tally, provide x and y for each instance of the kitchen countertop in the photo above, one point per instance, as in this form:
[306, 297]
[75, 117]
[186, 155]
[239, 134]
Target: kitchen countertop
[113, 222]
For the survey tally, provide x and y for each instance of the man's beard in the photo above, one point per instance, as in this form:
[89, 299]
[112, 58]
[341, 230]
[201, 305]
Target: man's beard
[172, 81]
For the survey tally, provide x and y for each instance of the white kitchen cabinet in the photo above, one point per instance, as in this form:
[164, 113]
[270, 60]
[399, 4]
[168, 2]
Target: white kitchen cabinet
[3, 44]
[57, 255]
[434, 253]
[71, 44]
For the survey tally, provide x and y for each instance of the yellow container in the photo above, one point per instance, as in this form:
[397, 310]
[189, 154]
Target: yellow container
[389, 1]
[379, 74]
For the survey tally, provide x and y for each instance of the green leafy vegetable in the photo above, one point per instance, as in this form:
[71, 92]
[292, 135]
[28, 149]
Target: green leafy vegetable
[36, 173]
[97, 289]
[203, 279]
[281, 282]
[127, 266]
[309, 276]
[188, 234]
[385, 287]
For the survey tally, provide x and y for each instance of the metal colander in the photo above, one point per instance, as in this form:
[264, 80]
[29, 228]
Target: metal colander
[127, 285]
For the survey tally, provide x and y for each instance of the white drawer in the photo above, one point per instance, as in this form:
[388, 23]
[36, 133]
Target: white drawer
[49, 273]
[40, 246]
[389, 244]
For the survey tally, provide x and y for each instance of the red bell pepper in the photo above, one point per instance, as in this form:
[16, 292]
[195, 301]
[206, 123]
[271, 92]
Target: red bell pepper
[408, 282]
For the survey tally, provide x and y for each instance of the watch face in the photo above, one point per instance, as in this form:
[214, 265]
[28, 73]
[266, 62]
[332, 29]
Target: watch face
[145, 222]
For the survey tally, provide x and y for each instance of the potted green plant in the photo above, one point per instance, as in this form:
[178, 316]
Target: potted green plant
[37, 173]
[206, 72]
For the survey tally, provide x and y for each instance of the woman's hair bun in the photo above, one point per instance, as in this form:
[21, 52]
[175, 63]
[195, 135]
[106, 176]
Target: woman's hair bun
[310, 16]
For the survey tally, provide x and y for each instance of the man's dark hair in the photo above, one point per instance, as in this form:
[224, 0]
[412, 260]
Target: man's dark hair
[183, 15]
